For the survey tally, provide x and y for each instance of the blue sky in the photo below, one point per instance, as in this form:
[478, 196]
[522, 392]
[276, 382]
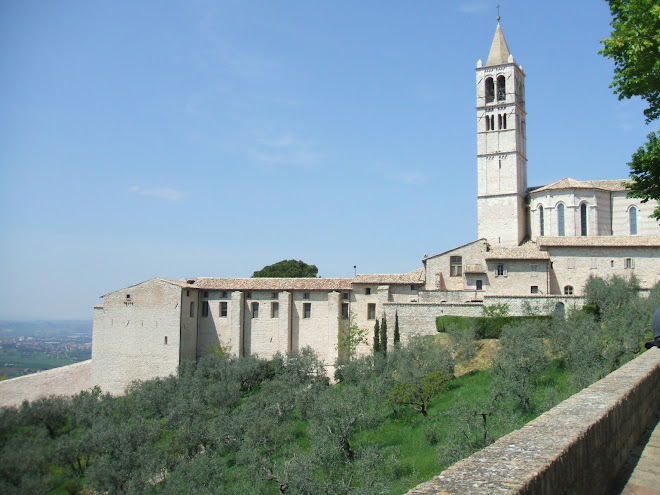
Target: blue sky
[191, 138]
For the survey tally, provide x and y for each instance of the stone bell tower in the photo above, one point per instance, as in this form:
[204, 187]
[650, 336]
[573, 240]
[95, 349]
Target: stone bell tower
[501, 147]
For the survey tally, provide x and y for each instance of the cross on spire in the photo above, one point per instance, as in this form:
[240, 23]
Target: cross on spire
[498, 12]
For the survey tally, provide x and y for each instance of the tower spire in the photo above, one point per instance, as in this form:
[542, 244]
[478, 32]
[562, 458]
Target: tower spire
[499, 50]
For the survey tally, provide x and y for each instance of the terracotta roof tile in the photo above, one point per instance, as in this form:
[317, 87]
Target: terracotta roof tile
[570, 183]
[527, 251]
[414, 277]
[210, 283]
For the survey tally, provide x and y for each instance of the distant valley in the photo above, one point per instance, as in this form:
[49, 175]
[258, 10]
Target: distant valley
[30, 346]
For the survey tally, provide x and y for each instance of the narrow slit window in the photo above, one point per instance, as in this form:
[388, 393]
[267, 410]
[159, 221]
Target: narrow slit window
[633, 220]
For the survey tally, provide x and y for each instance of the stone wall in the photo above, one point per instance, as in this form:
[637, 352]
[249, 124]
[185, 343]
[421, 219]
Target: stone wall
[577, 447]
[67, 380]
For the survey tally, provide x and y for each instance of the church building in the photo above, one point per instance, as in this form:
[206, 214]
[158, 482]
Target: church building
[536, 248]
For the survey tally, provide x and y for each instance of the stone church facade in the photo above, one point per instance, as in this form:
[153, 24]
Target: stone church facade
[535, 251]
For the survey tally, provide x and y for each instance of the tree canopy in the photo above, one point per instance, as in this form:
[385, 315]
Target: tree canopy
[634, 45]
[287, 269]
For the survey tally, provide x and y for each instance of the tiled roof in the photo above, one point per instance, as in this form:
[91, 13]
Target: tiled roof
[414, 277]
[570, 183]
[601, 241]
[209, 283]
[527, 251]
[454, 249]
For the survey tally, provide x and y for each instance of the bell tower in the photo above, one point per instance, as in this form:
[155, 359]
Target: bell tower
[501, 147]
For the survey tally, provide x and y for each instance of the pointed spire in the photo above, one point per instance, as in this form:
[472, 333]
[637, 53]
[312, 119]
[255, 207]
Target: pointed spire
[499, 51]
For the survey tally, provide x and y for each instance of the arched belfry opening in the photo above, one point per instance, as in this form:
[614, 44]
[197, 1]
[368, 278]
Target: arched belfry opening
[490, 90]
[501, 88]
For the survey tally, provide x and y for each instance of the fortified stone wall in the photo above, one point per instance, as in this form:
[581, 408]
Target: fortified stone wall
[577, 447]
[66, 380]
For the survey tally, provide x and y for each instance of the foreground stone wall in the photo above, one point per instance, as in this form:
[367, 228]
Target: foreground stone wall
[67, 380]
[577, 447]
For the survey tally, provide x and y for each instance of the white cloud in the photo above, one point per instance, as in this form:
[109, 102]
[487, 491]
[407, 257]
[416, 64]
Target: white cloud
[284, 150]
[160, 192]
[474, 7]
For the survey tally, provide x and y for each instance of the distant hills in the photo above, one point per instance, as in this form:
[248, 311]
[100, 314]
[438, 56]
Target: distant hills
[45, 328]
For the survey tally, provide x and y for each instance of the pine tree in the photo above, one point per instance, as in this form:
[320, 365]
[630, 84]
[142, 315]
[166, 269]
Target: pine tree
[383, 335]
[397, 335]
[376, 338]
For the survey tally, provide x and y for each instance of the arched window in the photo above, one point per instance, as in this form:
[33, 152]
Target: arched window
[568, 290]
[490, 90]
[501, 88]
[632, 213]
[560, 308]
[487, 123]
[583, 219]
[561, 229]
[541, 221]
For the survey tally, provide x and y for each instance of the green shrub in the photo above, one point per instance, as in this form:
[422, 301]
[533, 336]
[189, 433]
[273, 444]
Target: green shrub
[486, 327]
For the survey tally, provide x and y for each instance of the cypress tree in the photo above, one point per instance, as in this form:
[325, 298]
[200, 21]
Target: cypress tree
[397, 335]
[376, 338]
[383, 336]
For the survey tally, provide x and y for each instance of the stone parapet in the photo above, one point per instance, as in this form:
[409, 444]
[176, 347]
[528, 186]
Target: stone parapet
[576, 447]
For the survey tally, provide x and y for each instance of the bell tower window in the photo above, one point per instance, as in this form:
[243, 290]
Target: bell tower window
[501, 88]
[490, 90]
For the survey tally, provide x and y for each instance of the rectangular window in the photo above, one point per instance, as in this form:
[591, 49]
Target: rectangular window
[205, 308]
[371, 311]
[345, 296]
[206, 294]
[275, 295]
[367, 291]
[249, 295]
[571, 263]
[224, 294]
[307, 310]
[534, 268]
[344, 310]
[534, 289]
[306, 295]
[413, 287]
[480, 284]
[255, 310]
[500, 271]
[629, 263]
[192, 309]
[223, 309]
[456, 266]
[275, 310]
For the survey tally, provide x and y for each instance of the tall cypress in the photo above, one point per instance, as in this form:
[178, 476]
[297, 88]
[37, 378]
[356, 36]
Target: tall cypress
[376, 338]
[397, 335]
[383, 335]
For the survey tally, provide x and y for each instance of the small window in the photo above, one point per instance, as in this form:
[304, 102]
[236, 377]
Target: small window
[344, 310]
[223, 309]
[371, 311]
[455, 266]
[480, 284]
[571, 263]
[345, 296]
[206, 294]
[224, 294]
[583, 219]
[249, 295]
[165, 341]
[629, 263]
[128, 296]
[192, 309]
[611, 263]
[534, 289]
[307, 310]
[306, 295]
[501, 271]
[205, 309]
[413, 287]
[274, 310]
[367, 291]
[255, 310]
[568, 290]
[187, 293]
[534, 268]
[275, 295]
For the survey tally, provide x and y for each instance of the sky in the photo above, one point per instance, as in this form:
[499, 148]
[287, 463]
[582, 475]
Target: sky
[211, 138]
